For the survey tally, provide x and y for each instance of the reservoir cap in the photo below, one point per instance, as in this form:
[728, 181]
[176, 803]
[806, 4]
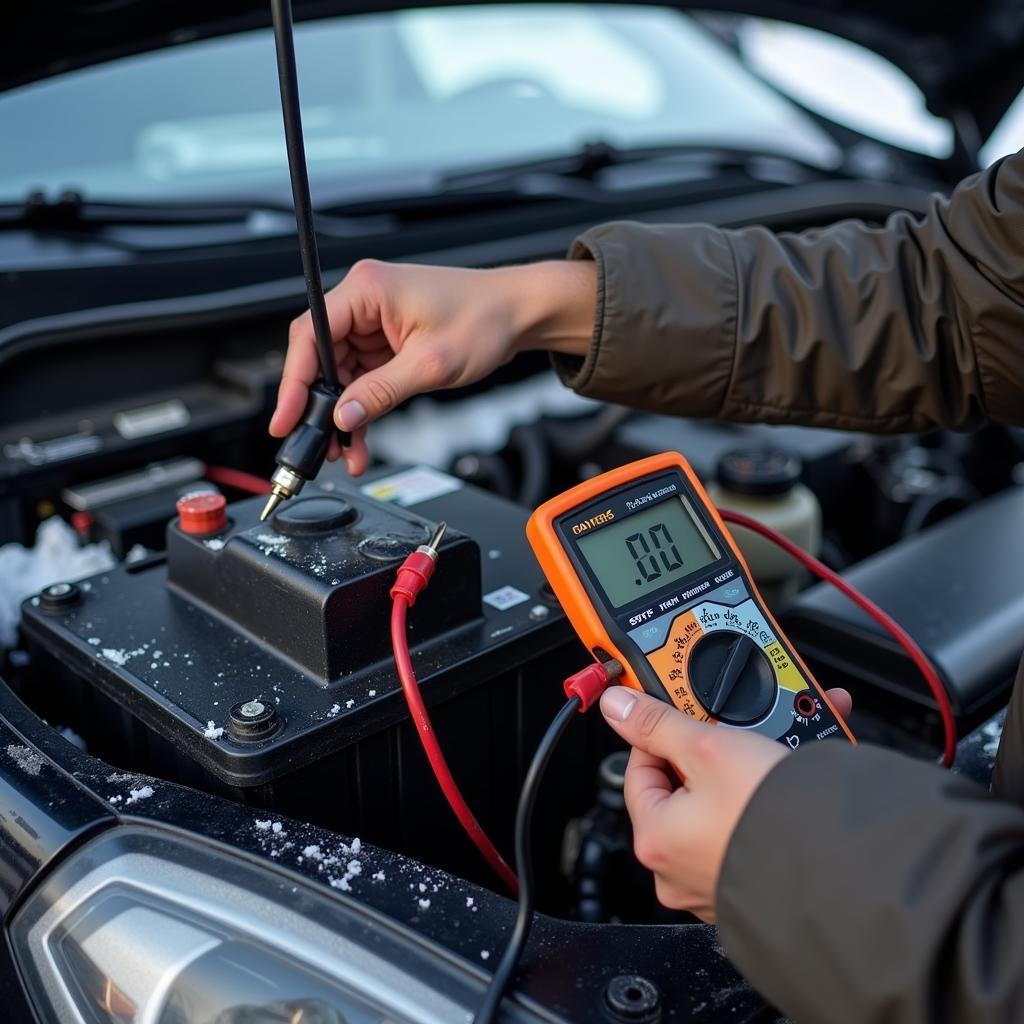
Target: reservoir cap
[758, 472]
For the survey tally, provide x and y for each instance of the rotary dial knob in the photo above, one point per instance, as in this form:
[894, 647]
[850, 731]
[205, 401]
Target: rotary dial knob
[732, 677]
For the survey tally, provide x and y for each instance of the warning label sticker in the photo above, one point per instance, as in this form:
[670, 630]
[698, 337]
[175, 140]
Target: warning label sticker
[505, 597]
[412, 486]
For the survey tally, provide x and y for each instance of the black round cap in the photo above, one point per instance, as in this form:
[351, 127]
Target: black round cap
[758, 472]
[313, 515]
[632, 997]
[58, 596]
[252, 720]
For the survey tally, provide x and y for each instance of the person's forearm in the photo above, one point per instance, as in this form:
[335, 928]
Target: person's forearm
[917, 325]
[555, 305]
[864, 888]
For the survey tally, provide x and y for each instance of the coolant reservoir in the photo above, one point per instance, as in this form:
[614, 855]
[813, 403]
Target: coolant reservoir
[764, 483]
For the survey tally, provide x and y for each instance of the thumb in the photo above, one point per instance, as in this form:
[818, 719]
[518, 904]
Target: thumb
[378, 391]
[653, 725]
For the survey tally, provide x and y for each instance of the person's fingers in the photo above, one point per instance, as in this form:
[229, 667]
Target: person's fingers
[291, 400]
[841, 701]
[656, 727]
[301, 368]
[378, 391]
[648, 783]
[357, 455]
[353, 306]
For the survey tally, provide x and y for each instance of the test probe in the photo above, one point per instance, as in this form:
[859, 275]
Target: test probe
[303, 452]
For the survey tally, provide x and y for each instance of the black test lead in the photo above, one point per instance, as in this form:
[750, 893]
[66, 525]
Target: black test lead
[303, 452]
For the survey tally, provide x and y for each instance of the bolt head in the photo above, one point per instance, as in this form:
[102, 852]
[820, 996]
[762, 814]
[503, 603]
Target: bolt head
[58, 596]
[252, 721]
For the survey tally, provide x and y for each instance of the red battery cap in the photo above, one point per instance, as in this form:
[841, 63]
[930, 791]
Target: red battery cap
[202, 512]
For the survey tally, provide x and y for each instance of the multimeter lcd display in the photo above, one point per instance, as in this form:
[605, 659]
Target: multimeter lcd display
[646, 551]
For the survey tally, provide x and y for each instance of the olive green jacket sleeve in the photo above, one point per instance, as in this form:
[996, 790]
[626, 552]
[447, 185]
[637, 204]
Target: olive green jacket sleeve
[862, 887]
[901, 328]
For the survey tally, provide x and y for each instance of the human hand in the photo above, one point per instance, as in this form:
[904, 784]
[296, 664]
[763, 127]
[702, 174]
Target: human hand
[681, 832]
[400, 330]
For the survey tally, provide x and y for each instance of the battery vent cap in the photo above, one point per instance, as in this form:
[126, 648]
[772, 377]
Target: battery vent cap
[202, 512]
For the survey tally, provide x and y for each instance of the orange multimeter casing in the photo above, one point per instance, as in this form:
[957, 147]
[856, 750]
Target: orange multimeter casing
[648, 574]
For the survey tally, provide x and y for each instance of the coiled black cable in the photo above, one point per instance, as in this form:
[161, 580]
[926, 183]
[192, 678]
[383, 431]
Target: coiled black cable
[289, 82]
[524, 865]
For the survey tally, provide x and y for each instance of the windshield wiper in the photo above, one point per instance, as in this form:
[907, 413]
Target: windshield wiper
[586, 163]
[573, 176]
[73, 212]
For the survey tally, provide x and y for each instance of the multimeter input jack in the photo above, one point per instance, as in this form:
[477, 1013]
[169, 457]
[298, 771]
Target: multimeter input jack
[805, 705]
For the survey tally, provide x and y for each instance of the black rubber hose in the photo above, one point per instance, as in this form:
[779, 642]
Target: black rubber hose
[524, 865]
[485, 470]
[530, 443]
[573, 442]
[289, 82]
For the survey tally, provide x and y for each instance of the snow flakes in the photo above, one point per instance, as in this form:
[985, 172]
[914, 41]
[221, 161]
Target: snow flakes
[135, 795]
[30, 762]
[268, 543]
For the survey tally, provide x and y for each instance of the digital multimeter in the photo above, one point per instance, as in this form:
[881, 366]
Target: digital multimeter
[649, 575]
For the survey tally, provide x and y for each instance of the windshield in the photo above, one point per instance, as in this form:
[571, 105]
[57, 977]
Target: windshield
[387, 96]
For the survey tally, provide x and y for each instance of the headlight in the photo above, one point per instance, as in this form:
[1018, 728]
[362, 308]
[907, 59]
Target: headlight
[144, 927]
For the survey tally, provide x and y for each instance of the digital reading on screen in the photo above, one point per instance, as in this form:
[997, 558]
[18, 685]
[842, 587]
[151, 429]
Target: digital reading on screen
[647, 550]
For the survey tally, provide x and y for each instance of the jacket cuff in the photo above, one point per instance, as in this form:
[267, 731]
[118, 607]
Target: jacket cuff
[665, 330]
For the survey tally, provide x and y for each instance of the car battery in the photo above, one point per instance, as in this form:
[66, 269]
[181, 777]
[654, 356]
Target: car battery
[254, 659]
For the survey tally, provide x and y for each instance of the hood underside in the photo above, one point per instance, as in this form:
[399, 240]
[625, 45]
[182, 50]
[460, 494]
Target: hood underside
[967, 58]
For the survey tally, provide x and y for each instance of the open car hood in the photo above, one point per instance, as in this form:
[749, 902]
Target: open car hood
[967, 58]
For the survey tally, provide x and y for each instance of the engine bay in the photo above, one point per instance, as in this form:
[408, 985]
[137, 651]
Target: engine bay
[150, 662]
[250, 663]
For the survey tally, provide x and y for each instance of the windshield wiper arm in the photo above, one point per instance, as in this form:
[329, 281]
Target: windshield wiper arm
[585, 163]
[72, 211]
